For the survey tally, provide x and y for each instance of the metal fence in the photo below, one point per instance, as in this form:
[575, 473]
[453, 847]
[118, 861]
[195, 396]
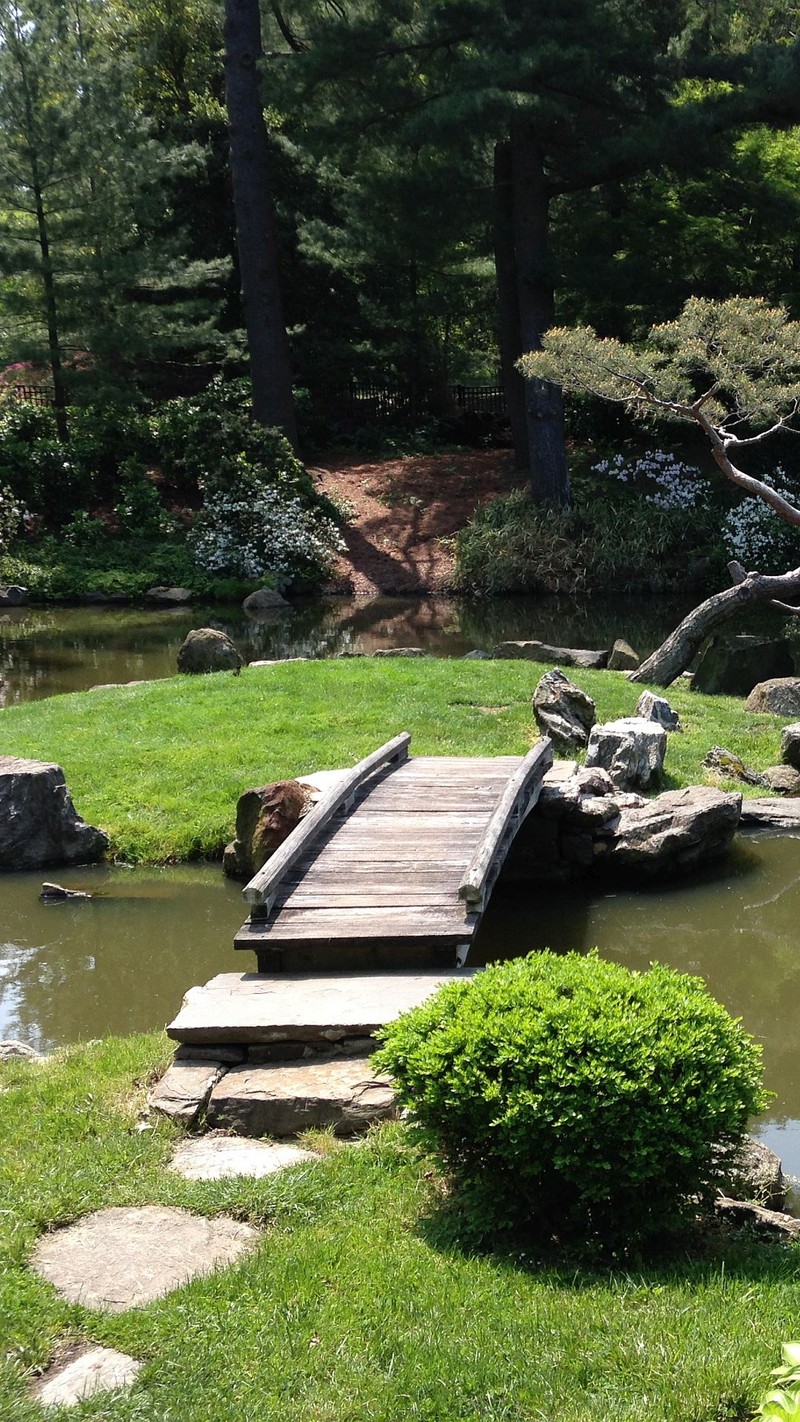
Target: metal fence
[378, 401]
[43, 395]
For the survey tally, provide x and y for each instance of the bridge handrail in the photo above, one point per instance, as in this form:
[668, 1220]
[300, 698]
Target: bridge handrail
[519, 796]
[263, 884]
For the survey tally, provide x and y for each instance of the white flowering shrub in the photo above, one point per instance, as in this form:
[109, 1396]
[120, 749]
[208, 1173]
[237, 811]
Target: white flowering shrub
[260, 527]
[11, 516]
[665, 481]
[757, 536]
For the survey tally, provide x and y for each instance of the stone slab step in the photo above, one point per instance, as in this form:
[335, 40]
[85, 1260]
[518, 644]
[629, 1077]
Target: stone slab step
[248, 1007]
[297, 1096]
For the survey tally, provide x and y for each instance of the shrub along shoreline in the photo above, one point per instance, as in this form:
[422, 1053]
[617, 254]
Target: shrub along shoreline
[160, 766]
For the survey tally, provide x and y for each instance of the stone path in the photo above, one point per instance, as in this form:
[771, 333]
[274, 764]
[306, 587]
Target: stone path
[220, 1157]
[80, 1372]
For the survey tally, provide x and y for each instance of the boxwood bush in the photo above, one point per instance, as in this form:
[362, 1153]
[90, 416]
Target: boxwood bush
[572, 1097]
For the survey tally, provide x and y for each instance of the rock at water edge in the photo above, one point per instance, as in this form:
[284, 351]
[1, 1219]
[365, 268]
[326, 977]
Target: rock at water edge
[39, 825]
[206, 650]
[532, 651]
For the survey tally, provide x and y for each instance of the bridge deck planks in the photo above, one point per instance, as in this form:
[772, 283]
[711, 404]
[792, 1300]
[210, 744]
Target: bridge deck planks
[386, 873]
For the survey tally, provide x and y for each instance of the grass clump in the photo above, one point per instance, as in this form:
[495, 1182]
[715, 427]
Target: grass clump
[572, 1096]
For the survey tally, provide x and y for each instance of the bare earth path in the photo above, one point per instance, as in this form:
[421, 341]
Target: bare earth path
[403, 511]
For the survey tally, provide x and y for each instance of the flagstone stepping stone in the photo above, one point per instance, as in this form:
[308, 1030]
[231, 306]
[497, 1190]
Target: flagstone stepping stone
[123, 1257]
[298, 1096]
[82, 1371]
[220, 1157]
[247, 1007]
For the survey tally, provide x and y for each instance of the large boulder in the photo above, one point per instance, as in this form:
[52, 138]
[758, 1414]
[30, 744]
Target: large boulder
[631, 750]
[169, 597]
[264, 600]
[38, 821]
[264, 819]
[670, 834]
[562, 710]
[780, 696]
[542, 652]
[206, 650]
[755, 1173]
[733, 666]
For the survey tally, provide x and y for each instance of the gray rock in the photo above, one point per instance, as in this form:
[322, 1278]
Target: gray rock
[18, 1051]
[756, 1174]
[123, 1257]
[183, 1090]
[727, 763]
[733, 666]
[220, 1157]
[38, 821]
[622, 657]
[12, 595]
[656, 708]
[783, 779]
[277, 661]
[780, 696]
[400, 652]
[631, 750]
[264, 819]
[562, 710]
[477, 656]
[771, 1222]
[285, 1099]
[170, 597]
[83, 1371]
[206, 650]
[542, 652]
[670, 834]
[264, 600]
[771, 816]
[790, 745]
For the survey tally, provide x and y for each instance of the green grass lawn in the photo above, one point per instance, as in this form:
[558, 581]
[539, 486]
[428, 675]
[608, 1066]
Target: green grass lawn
[359, 1303]
[160, 766]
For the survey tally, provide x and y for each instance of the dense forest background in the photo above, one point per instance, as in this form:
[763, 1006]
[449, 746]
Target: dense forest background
[441, 181]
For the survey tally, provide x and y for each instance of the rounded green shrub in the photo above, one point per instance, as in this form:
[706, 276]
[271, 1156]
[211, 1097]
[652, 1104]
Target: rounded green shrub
[570, 1096]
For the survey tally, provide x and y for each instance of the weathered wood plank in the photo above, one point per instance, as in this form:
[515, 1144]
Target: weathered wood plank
[262, 883]
[364, 895]
[411, 922]
[519, 796]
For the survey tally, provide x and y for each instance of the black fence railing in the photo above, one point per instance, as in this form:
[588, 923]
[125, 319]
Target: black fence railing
[376, 400]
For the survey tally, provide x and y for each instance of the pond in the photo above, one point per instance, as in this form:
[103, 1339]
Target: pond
[122, 963]
[45, 651]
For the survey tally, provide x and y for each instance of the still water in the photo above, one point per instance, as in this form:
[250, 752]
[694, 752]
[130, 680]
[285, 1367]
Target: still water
[122, 963]
[45, 651]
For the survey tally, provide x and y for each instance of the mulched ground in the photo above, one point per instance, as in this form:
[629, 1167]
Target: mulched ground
[403, 511]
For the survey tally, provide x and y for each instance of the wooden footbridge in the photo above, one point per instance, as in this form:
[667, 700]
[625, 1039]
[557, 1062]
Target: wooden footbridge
[394, 865]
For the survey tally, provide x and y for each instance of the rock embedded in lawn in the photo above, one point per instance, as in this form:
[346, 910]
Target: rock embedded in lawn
[222, 1157]
[83, 1371]
[780, 696]
[264, 819]
[622, 656]
[532, 651]
[206, 650]
[124, 1257]
[630, 749]
[183, 1090]
[39, 824]
[563, 711]
[727, 763]
[656, 708]
[783, 779]
[790, 745]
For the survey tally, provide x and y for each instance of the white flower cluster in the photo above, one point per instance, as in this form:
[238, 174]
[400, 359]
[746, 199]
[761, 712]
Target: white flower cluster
[11, 515]
[260, 531]
[756, 535]
[669, 482]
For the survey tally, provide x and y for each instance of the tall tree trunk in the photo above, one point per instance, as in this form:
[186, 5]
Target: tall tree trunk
[51, 310]
[505, 263]
[544, 406]
[256, 238]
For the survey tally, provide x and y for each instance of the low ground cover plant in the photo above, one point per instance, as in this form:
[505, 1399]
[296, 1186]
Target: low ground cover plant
[575, 1099]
